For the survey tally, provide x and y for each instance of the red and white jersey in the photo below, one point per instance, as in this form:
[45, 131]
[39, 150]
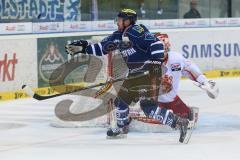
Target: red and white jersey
[177, 66]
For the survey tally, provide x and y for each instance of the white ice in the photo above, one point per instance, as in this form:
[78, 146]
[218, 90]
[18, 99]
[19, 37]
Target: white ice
[25, 133]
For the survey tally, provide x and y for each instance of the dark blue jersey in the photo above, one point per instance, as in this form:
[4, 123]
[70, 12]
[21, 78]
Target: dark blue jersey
[144, 46]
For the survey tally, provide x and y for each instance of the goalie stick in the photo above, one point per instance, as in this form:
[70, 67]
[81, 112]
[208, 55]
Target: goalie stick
[36, 96]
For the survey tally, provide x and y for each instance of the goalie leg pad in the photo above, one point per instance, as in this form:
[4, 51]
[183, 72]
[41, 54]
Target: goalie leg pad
[164, 116]
[122, 112]
[151, 110]
[148, 106]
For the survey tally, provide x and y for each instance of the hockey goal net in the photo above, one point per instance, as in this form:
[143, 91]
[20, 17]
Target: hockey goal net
[113, 66]
[109, 66]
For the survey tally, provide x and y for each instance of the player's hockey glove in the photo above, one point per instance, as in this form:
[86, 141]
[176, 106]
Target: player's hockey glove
[76, 47]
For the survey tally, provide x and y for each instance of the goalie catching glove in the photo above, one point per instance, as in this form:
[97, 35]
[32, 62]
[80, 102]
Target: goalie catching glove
[76, 47]
[210, 87]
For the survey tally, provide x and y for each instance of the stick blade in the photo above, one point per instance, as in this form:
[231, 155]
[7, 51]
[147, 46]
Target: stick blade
[28, 90]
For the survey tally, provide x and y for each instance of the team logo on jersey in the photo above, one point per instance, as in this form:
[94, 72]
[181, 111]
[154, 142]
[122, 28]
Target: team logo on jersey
[139, 29]
[149, 36]
[176, 67]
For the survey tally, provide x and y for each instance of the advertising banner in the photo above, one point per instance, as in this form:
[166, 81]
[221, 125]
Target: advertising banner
[155, 24]
[233, 21]
[47, 27]
[77, 26]
[39, 10]
[219, 22]
[18, 64]
[210, 48]
[225, 22]
[15, 28]
[51, 55]
[104, 25]
[203, 22]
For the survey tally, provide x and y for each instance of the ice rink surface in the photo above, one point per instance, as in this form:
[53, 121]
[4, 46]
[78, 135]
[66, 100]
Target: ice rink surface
[25, 133]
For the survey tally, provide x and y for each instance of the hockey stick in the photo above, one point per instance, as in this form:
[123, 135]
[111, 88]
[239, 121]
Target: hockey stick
[36, 96]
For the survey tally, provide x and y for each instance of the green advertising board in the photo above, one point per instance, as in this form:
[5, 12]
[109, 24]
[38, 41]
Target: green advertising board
[51, 55]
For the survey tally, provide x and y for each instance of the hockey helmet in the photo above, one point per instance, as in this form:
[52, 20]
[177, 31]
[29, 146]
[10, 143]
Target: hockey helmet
[164, 38]
[128, 14]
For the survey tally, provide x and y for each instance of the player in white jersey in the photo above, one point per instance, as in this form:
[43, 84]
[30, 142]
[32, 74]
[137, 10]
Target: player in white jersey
[174, 67]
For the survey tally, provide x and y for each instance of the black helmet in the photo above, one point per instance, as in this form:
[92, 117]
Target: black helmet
[128, 14]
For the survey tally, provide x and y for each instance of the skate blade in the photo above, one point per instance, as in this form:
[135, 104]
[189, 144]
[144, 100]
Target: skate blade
[120, 136]
[188, 135]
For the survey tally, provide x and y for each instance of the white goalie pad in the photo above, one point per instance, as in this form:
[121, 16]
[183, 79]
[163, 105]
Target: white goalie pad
[195, 114]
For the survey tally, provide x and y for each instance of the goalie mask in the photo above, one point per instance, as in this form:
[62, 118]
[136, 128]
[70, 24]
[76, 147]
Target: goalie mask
[164, 38]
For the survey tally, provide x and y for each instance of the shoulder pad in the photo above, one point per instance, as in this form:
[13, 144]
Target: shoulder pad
[136, 31]
[149, 36]
[138, 28]
[145, 28]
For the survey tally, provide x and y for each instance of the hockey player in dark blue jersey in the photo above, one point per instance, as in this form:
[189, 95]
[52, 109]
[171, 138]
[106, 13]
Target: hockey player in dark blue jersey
[142, 52]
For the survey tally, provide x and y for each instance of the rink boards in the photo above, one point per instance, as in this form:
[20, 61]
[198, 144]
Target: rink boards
[30, 59]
